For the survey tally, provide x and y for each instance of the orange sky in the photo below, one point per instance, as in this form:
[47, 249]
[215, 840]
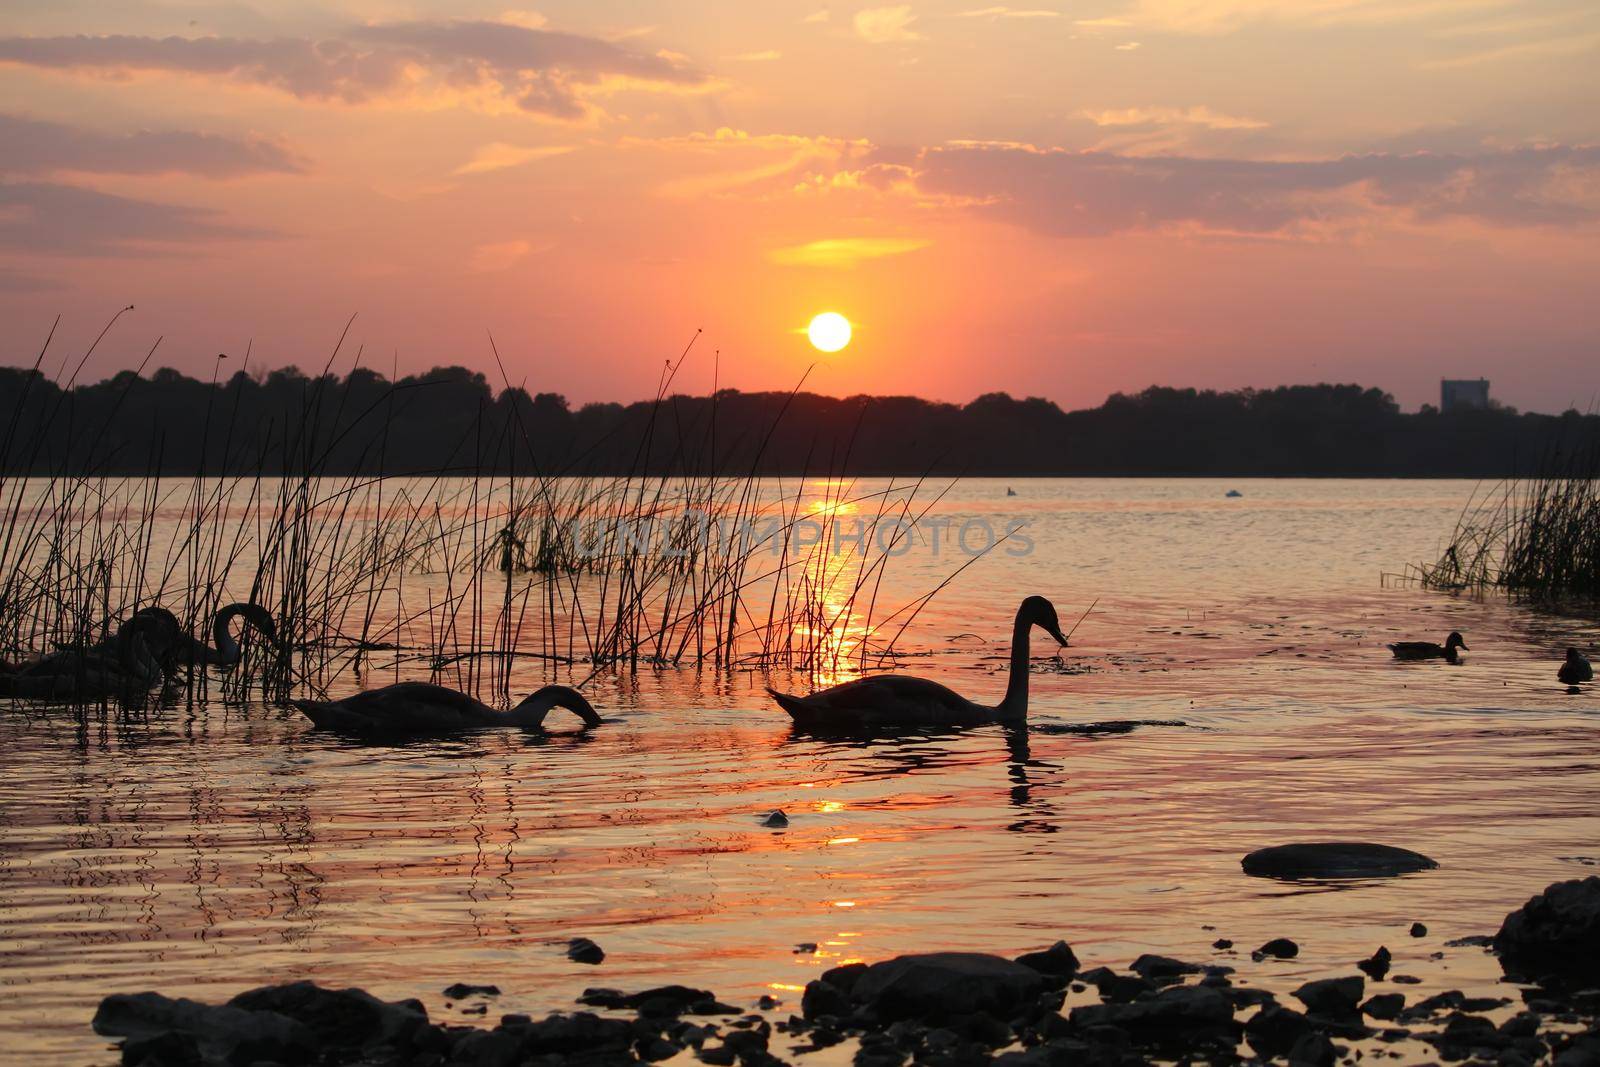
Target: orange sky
[1050, 199]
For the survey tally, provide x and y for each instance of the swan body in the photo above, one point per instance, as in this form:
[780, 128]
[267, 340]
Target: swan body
[420, 709]
[898, 699]
[124, 666]
[1414, 650]
[1576, 669]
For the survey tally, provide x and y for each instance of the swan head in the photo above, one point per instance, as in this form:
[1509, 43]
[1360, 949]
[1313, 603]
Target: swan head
[1038, 611]
[158, 627]
[1454, 641]
[536, 706]
[1573, 655]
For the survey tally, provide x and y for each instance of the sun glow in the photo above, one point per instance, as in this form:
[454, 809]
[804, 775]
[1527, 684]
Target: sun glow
[829, 331]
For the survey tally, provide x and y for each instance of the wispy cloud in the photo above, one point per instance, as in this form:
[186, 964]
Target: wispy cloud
[1086, 194]
[1225, 16]
[757, 57]
[498, 156]
[1009, 13]
[886, 25]
[45, 219]
[501, 255]
[1127, 46]
[539, 71]
[33, 146]
[1553, 46]
[1172, 116]
[817, 16]
[845, 252]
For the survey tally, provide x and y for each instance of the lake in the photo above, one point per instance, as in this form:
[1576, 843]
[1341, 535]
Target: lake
[204, 850]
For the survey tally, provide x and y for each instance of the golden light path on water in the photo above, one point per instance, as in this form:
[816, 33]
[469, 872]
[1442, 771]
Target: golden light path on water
[210, 850]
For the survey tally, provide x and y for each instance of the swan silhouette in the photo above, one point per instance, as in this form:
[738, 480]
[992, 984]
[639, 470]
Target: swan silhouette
[123, 666]
[224, 651]
[898, 699]
[418, 709]
[1576, 669]
[1429, 650]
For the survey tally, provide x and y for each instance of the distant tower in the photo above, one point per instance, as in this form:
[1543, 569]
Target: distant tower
[1463, 394]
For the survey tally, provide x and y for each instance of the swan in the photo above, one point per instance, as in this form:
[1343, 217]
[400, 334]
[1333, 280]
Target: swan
[1576, 669]
[226, 652]
[420, 709]
[120, 667]
[1429, 650]
[896, 699]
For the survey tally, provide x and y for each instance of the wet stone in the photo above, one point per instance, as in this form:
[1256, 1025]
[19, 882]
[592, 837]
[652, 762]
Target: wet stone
[1278, 948]
[583, 950]
[1334, 859]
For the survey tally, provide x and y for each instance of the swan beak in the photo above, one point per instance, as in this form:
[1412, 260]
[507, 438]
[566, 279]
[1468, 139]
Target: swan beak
[1055, 632]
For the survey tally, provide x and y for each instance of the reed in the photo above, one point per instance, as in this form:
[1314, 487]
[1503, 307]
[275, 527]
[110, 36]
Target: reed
[1536, 538]
[454, 575]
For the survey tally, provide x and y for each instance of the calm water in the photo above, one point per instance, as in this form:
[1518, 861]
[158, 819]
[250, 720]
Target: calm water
[206, 852]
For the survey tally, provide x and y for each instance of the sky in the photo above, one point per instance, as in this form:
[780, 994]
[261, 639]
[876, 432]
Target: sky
[1057, 199]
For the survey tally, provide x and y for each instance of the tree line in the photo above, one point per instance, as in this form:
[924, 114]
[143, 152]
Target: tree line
[452, 419]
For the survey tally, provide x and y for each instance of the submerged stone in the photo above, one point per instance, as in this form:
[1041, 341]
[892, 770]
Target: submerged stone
[1334, 859]
[945, 983]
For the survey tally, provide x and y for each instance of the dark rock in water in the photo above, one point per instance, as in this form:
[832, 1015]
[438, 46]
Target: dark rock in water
[672, 997]
[1384, 1005]
[1279, 948]
[579, 1032]
[806, 948]
[824, 998]
[845, 975]
[340, 1018]
[1406, 979]
[220, 1034]
[491, 1048]
[1332, 996]
[166, 1049]
[1161, 968]
[1472, 941]
[582, 950]
[1334, 859]
[1557, 932]
[1120, 988]
[1222, 942]
[945, 983]
[461, 991]
[1378, 965]
[1313, 1050]
[1177, 1015]
[777, 820]
[1057, 961]
[1418, 930]
[1274, 1029]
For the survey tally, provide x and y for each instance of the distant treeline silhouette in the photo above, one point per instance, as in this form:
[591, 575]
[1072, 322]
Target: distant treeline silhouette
[452, 419]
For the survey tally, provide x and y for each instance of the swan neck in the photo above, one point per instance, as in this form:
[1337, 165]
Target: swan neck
[1015, 704]
[227, 650]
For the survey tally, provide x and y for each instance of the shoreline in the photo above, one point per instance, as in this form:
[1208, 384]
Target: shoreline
[1041, 1009]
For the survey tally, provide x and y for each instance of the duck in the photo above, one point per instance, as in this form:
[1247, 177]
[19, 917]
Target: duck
[421, 709]
[1429, 650]
[123, 667]
[1576, 669]
[898, 699]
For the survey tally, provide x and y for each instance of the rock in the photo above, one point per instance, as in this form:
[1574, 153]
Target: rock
[1161, 968]
[1335, 997]
[1279, 948]
[1557, 932]
[1222, 942]
[339, 1018]
[1384, 1005]
[944, 984]
[1418, 930]
[219, 1034]
[579, 1032]
[166, 1049]
[1312, 1050]
[1378, 965]
[1274, 1029]
[1472, 941]
[490, 1048]
[1176, 1015]
[677, 997]
[806, 948]
[1334, 859]
[461, 991]
[582, 950]
[824, 998]
[1057, 961]
[1117, 987]
[777, 820]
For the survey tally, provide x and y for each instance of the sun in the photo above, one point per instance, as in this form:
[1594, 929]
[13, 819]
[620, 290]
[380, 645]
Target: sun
[829, 331]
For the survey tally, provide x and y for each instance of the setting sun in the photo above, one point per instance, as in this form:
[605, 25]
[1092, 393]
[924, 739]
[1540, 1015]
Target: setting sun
[829, 331]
